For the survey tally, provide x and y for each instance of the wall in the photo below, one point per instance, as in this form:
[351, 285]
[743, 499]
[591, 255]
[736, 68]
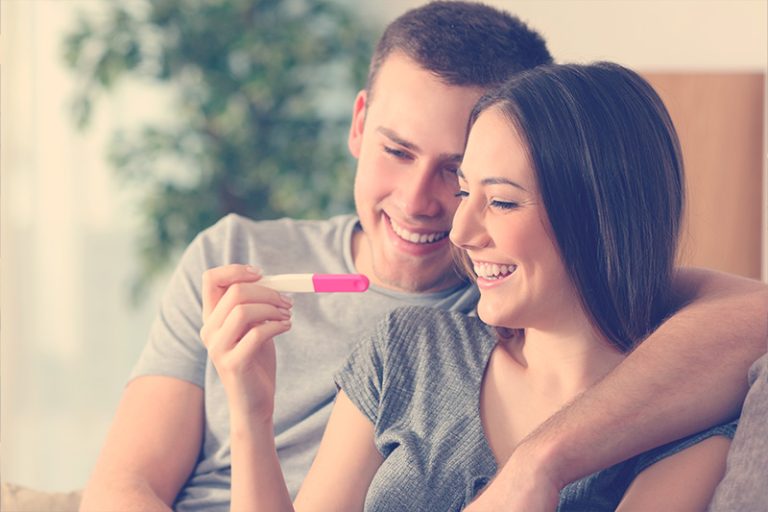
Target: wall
[643, 34]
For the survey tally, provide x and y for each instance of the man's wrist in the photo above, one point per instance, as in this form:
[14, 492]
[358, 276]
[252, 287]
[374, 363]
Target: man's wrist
[545, 459]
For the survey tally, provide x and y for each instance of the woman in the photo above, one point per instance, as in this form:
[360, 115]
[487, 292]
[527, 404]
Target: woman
[571, 194]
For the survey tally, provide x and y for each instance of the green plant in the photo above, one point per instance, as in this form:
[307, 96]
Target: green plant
[264, 90]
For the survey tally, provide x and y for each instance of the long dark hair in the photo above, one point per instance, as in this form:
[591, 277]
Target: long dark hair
[609, 169]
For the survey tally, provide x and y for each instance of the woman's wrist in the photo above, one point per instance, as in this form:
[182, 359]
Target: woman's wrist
[248, 423]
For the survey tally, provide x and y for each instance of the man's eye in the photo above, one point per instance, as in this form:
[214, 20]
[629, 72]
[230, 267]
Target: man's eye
[462, 194]
[397, 153]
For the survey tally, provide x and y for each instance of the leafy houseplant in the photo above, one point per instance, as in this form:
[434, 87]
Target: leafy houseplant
[264, 90]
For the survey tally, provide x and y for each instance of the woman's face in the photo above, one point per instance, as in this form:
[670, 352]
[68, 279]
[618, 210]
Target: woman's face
[502, 225]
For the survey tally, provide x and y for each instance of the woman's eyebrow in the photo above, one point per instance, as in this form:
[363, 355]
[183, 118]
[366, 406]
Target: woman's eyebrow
[493, 181]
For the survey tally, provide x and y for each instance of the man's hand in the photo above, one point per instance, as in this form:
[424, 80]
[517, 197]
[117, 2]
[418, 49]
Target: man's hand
[240, 320]
[522, 485]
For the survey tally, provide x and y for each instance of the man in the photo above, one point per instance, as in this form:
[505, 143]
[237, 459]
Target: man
[169, 444]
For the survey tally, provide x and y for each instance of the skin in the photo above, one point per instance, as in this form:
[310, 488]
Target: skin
[500, 223]
[406, 172]
[156, 435]
[617, 418]
[558, 355]
[406, 175]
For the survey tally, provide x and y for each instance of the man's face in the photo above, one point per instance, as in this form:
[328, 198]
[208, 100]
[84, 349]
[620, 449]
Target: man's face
[408, 139]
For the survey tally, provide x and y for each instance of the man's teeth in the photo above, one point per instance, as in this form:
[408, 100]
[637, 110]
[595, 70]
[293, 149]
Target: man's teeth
[417, 238]
[492, 270]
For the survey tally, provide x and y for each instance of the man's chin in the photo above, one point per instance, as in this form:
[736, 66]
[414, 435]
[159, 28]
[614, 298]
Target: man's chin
[418, 280]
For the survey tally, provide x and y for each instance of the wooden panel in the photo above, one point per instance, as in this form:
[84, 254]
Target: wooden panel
[719, 118]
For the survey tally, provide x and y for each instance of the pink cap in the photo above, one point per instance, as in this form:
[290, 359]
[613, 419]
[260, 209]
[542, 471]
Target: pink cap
[340, 282]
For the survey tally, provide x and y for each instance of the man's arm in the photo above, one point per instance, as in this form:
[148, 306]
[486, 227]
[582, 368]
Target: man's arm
[688, 375]
[151, 447]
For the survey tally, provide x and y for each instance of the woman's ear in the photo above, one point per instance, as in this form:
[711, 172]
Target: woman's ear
[355, 141]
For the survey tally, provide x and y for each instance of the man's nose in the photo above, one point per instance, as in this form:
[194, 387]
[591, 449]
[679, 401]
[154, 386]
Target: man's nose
[419, 194]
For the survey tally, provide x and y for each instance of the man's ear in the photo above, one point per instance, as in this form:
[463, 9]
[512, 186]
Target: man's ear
[355, 141]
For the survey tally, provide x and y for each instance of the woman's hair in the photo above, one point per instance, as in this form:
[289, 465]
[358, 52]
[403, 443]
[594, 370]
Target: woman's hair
[607, 162]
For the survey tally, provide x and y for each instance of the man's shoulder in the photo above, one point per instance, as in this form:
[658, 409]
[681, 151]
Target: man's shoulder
[239, 234]
[271, 244]
[234, 225]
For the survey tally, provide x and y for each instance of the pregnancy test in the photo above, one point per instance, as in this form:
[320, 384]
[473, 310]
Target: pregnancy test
[315, 283]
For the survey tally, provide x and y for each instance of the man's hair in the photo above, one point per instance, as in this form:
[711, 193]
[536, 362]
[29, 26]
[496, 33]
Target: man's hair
[608, 166]
[463, 43]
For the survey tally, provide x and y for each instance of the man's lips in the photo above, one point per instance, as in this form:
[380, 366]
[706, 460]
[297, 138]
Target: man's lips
[410, 242]
[416, 237]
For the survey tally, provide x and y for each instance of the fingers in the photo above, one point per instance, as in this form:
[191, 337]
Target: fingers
[217, 280]
[245, 319]
[240, 294]
[239, 315]
[254, 340]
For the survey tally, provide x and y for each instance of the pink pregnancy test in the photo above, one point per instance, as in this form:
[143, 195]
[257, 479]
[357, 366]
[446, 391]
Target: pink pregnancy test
[315, 283]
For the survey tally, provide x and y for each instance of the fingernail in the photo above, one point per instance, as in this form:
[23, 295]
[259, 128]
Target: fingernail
[284, 312]
[288, 300]
[253, 270]
[286, 323]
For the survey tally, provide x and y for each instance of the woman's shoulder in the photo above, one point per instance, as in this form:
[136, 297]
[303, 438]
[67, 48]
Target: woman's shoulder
[426, 319]
[431, 332]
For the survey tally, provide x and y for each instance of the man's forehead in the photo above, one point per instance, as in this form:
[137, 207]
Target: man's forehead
[398, 68]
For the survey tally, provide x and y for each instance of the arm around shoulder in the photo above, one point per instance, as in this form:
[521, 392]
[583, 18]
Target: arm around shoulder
[151, 447]
[688, 375]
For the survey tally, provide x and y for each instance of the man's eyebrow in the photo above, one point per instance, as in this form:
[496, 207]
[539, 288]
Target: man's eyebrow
[394, 137]
[397, 139]
[493, 181]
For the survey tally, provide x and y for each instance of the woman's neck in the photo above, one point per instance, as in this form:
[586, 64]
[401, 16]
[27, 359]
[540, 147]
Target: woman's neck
[566, 358]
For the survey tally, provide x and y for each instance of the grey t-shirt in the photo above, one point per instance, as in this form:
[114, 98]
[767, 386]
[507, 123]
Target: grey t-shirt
[325, 328]
[418, 380]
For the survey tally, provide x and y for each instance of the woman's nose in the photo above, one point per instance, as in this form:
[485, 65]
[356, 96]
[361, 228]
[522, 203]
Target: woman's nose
[468, 231]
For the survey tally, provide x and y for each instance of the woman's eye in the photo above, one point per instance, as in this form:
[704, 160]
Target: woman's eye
[397, 153]
[461, 194]
[504, 205]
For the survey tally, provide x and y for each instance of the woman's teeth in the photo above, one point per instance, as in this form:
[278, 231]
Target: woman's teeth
[492, 270]
[417, 238]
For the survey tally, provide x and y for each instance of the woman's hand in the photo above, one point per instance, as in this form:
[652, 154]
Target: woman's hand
[240, 320]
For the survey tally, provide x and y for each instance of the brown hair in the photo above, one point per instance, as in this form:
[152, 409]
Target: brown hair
[464, 43]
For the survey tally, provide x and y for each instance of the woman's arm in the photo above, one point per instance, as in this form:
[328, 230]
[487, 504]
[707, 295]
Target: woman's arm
[241, 320]
[339, 477]
[687, 376]
[682, 482]
[346, 462]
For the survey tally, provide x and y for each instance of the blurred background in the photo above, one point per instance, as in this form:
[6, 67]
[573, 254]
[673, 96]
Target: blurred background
[129, 126]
